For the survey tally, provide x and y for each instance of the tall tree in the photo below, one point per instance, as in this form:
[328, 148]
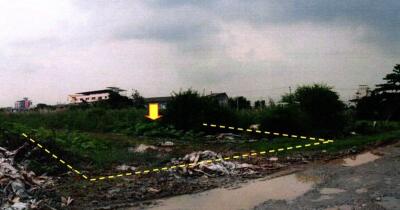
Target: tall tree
[239, 103]
[138, 100]
[388, 95]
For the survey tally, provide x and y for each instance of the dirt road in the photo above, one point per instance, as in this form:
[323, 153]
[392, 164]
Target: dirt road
[370, 180]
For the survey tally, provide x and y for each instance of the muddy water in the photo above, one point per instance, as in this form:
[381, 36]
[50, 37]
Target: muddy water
[360, 159]
[246, 197]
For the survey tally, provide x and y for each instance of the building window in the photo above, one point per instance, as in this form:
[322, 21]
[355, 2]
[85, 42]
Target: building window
[100, 98]
[93, 98]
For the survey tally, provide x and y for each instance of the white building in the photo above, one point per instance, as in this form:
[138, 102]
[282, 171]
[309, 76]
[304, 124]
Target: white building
[362, 91]
[93, 96]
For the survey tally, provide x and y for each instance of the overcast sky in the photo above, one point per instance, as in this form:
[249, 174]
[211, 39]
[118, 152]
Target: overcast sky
[49, 49]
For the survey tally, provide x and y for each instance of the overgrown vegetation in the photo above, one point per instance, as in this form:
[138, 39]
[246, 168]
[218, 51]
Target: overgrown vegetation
[98, 135]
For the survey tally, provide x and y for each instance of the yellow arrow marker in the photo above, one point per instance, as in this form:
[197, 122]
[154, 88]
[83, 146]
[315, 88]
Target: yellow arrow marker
[153, 111]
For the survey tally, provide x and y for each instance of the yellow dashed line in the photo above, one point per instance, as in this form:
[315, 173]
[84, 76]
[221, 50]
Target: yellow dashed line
[240, 129]
[24, 135]
[190, 164]
[303, 137]
[284, 134]
[249, 130]
[232, 128]
[276, 134]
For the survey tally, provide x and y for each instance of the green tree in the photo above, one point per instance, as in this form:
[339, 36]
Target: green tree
[322, 106]
[388, 95]
[115, 101]
[188, 110]
[260, 104]
[138, 100]
[239, 103]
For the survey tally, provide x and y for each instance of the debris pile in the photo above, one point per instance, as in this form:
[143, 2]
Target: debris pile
[18, 185]
[200, 164]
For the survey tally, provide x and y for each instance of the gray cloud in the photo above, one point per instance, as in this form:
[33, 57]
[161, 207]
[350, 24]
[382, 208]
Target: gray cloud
[159, 46]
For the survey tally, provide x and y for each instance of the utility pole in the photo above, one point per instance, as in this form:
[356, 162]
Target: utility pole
[290, 90]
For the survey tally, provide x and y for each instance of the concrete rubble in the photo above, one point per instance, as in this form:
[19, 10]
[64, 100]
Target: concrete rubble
[218, 166]
[17, 184]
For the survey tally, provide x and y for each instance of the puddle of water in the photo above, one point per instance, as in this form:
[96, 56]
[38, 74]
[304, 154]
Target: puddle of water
[360, 159]
[328, 191]
[246, 197]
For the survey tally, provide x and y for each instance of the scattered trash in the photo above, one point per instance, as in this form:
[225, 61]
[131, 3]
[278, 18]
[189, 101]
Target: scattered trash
[144, 148]
[65, 201]
[167, 144]
[227, 136]
[200, 165]
[18, 185]
[124, 167]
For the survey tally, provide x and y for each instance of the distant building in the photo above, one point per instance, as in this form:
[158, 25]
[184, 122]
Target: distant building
[23, 104]
[93, 96]
[222, 98]
[362, 91]
[162, 101]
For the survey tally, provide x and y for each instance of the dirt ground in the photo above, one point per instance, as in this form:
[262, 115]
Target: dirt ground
[370, 180]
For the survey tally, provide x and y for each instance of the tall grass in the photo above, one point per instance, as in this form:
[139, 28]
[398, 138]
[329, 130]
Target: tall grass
[95, 119]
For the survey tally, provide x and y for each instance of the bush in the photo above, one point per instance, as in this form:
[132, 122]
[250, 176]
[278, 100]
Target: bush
[188, 110]
[285, 119]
